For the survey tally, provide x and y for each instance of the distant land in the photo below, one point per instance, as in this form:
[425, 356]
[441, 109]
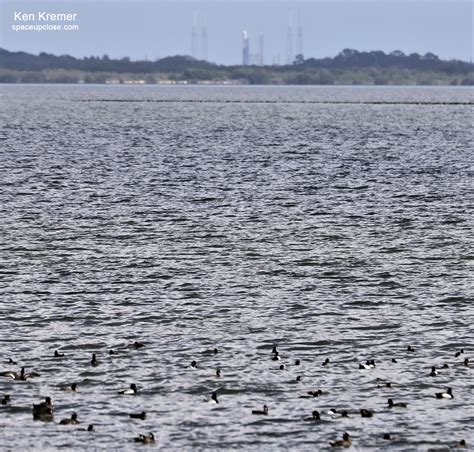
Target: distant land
[349, 67]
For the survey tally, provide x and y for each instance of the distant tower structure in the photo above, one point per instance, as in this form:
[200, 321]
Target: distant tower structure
[245, 49]
[289, 41]
[194, 37]
[260, 55]
[299, 42]
[204, 43]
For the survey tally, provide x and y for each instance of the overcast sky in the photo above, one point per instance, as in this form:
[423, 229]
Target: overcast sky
[156, 28]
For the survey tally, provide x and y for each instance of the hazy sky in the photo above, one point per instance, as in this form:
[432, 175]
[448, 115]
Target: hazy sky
[158, 28]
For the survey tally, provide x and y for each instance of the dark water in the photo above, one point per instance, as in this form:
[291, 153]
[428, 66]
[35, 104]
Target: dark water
[246, 218]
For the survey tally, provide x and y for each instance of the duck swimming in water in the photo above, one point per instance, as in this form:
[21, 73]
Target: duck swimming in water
[71, 388]
[366, 413]
[71, 421]
[94, 360]
[445, 395]
[263, 412]
[344, 442]
[132, 390]
[141, 416]
[5, 400]
[145, 439]
[213, 398]
[58, 355]
[392, 404]
[43, 411]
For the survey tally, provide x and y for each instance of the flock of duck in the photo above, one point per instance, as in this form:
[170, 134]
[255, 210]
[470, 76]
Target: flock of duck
[44, 410]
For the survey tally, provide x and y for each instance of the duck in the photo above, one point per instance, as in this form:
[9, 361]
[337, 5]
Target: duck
[298, 378]
[263, 412]
[43, 411]
[218, 373]
[394, 360]
[344, 413]
[137, 345]
[445, 395]
[141, 416]
[332, 411]
[312, 394]
[90, 428]
[387, 384]
[112, 352]
[71, 388]
[145, 439]
[392, 404]
[344, 442]
[461, 445]
[5, 400]
[13, 363]
[94, 360]
[410, 349]
[386, 436]
[369, 364]
[460, 352]
[276, 357]
[132, 390]
[297, 362]
[193, 365]
[326, 362]
[22, 376]
[282, 367]
[71, 421]
[58, 355]
[366, 413]
[445, 366]
[433, 372]
[213, 398]
[315, 416]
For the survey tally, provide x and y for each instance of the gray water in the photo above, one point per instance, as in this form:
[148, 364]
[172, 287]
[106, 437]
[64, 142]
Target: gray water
[240, 218]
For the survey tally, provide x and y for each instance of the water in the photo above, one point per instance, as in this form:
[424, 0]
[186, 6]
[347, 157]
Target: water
[245, 218]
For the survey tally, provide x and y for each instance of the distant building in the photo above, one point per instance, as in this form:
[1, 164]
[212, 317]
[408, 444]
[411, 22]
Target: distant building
[245, 49]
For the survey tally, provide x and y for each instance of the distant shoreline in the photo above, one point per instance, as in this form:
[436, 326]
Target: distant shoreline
[348, 68]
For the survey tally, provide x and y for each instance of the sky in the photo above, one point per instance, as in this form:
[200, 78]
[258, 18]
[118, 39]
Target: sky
[151, 29]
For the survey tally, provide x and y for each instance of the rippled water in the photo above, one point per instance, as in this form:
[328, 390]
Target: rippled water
[246, 218]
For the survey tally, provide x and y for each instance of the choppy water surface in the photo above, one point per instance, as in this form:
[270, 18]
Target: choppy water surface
[246, 218]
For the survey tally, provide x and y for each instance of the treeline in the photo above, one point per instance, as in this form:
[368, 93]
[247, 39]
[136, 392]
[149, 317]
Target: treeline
[348, 67]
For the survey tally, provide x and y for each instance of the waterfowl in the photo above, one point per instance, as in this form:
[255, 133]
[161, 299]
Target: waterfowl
[261, 412]
[466, 362]
[276, 357]
[410, 349]
[298, 378]
[433, 372]
[282, 367]
[332, 411]
[213, 398]
[366, 413]
[387, 384]
[132, 390]
[43, 411]
[71, 421]
[392, 404]
[71, 388]
[5, 400]
[145, 439]
[386, 436]
[137, 345]
[58, 355]
[311, 394]
[193, 365]
[445, 395]
[218, 373]
[344, 413]
[297, 362]
[461, 445]
[22, 376]
[90, 428]
[369, 364]
[460, 352]
[445, 366]
[13, 363]
[315, 416]
[344, 442]
[94, 360]
[141, 416]
[326, 362]
[112, 352]
[210, 352]
[394, 360]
